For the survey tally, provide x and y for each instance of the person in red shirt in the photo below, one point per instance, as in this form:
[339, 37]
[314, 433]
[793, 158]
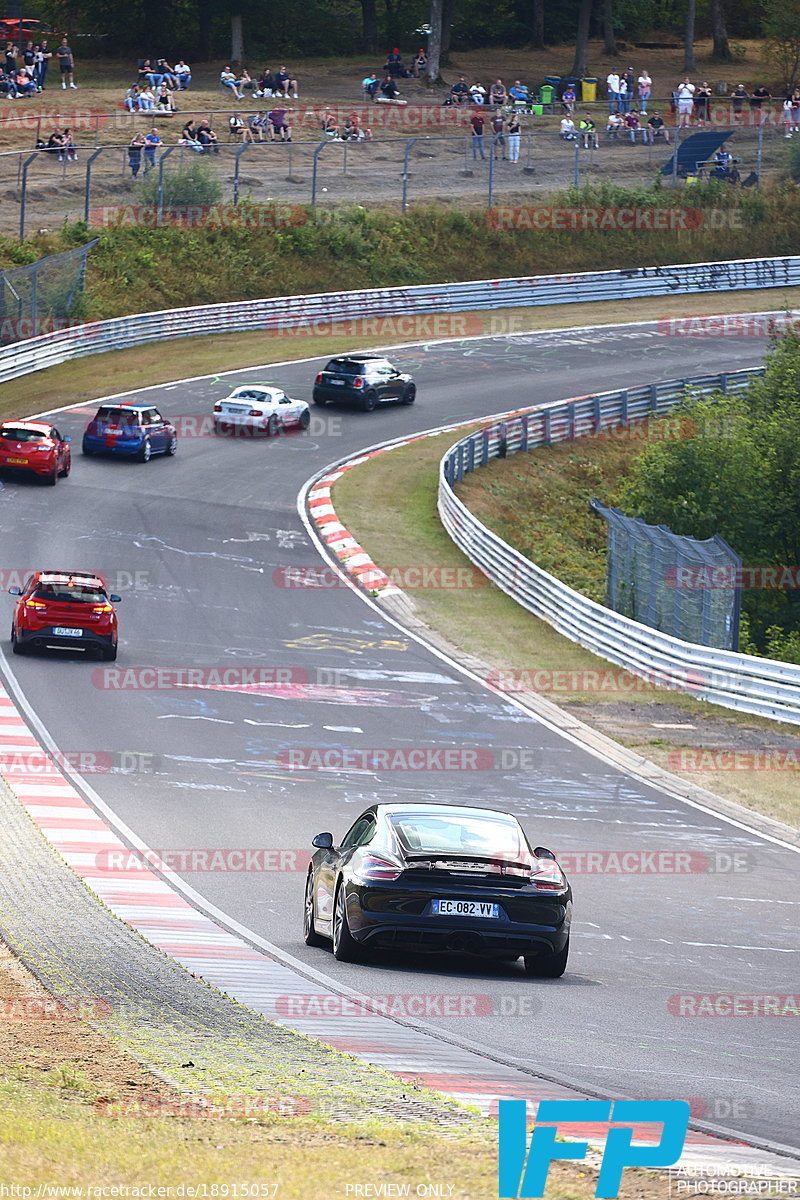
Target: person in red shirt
[477, 122]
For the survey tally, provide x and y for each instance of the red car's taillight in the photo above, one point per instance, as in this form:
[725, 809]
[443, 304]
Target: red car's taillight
[319, 378]
[36, 604]
[373, 869]
[102, 608]
[358, 381]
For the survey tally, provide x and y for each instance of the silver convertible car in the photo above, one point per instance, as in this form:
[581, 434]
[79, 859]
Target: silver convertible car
[259, 408]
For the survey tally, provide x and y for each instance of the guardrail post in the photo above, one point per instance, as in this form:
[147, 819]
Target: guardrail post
[571, 421]
[491, 176]
[88, 188]
[406, 153]
[623, 407]
[654, 395]
[484, 447]
[723, 384]
[23, 200]
[239, 154]
[317, 153]
[546, 431]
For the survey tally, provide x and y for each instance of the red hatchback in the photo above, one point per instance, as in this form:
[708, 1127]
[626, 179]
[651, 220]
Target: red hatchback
[36, 448]
[67, 609]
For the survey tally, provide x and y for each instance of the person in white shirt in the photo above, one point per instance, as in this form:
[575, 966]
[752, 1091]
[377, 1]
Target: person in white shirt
[644, 85]
[612, 85]
[622, 95]
[477, 94]
[685, 97]
[184, 75]
[567, 132]
[613, 125]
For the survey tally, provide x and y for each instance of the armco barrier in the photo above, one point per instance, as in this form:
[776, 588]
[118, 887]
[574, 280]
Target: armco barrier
[739, 681]
[38, 353]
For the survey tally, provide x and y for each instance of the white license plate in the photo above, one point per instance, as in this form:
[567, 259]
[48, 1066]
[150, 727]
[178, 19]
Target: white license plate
[337, 382]
[465, 908]
[235, 411]
[64, 631]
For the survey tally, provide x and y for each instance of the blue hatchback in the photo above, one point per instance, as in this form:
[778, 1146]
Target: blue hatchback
[134, 430]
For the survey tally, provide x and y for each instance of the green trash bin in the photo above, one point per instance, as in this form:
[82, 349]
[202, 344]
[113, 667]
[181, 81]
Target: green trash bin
[588, 90]
[537, 109]
[546, 93]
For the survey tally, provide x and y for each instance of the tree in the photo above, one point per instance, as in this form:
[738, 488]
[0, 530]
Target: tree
[609, 40]
[237, 38]
[369, 26]
[719, 32]
[688, 43]
[579, 63]
[782, 46]
[432, 73]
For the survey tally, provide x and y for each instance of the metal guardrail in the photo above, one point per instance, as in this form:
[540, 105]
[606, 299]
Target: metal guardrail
[739, 681]
[289, 312]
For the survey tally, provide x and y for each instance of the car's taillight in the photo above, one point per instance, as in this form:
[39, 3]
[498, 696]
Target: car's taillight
[373, 869]
[218, 407]
[256, 412]
[102, 608]
[546, 873]
[319, 378]
[38, 604]
[358, 381]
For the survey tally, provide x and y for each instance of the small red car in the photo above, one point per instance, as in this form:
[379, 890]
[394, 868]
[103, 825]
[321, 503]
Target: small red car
[35, 447]
[67, 609]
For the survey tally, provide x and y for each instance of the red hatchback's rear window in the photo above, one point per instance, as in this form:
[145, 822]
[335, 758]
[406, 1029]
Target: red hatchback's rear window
[22, 435]
[63, 594]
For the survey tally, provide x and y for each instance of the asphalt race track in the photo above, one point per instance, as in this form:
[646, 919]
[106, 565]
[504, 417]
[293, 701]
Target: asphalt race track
[202, 537]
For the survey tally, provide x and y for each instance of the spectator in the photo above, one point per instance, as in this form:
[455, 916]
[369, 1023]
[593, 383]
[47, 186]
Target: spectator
[477, 122]
[644, 86]
[389, 90]
[370, 84]
[151, 140]
[477, 93]
[189, 136]
[787, 117]
[656, 128]
[281, 131]
[519, 94]
[134, 153]
[229, 80]
[614, 125]
[796, 112]
[24, 83]
[147, 100]
[266, 82]
[419, 63]
[394, 64]
[131, 100]
[588, 132]
[164, 101]
[685, 97]
[28, 55]
[739, 95]
[330, 127]
[629, 87]
[724, 167]
[209, 143]
[66, 62]
[258, 123]
[248, 84]
[567, 130]
[183, 74]
[352, 130]
[46, 54]
[55, 144]
[459, 91]
[167, 73]
[498, 134]
[497, 92]
[702, 99]
[11, 58]
[145, 72]
[623, 97]
[759, 95]
[513, 132]
[568, 99]
[284, 83]
[612, 89]
[237, 126]
[634, 126]
[7, 85]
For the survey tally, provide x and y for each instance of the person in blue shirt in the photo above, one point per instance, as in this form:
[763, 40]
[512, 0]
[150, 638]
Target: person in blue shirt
[519, 93]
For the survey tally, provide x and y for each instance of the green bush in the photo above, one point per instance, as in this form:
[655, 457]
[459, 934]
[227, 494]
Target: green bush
[186, 185]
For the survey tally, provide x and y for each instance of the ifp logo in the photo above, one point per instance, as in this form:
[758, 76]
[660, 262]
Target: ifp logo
[523, 1169]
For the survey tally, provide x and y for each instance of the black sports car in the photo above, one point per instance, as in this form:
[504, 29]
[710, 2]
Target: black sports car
[440, 878]
[365, 380]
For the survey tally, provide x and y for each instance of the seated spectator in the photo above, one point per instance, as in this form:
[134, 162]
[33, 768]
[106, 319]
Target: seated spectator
[588, 132]
[183, 74]
[389, 90]
[329, 126]
[568, 99]
[237, 126]
[284, 83]
[281, 131]
[497, 92]
[147, 100]
[656, 128]
[55, 144]
[394, 64]
[567, 130]
[459, 91]
[25, 84]
[258, 124]
[477, 93]
[229, 80]
[370, 84]
[145, 70]
[519, 94]
[352, 131]
[164, 101]
[419, 63]
[634, 126]
[189, 136]
[248, 84]
[68, 142]
[7, 85]
[207, 138]
[614, 126]
[167, 73]
[131, 100]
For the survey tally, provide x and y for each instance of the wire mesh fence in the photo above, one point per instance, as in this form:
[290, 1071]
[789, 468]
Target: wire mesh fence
[43, 296]
[679, 585]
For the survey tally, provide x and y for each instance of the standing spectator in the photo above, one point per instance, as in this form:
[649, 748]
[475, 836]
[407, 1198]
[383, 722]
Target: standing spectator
[498, 134]
[656, 128]
[513, 137]
[629, 86]
[38, 59]
[644, 86]
[47, 54]
[702, 99]
[183, 74]
[588, 132]
[28, 55]
[739, 95]
[284, 83]
[11, 58]
[151, 140]
[759, 95]
[135, 153]
[622, 95]
[685, 97]
[787, 117]
[796, 111]
[459, 91]
[477, 122]
[612, 88]
[497, 92]
[229, 80]
[66, 62]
